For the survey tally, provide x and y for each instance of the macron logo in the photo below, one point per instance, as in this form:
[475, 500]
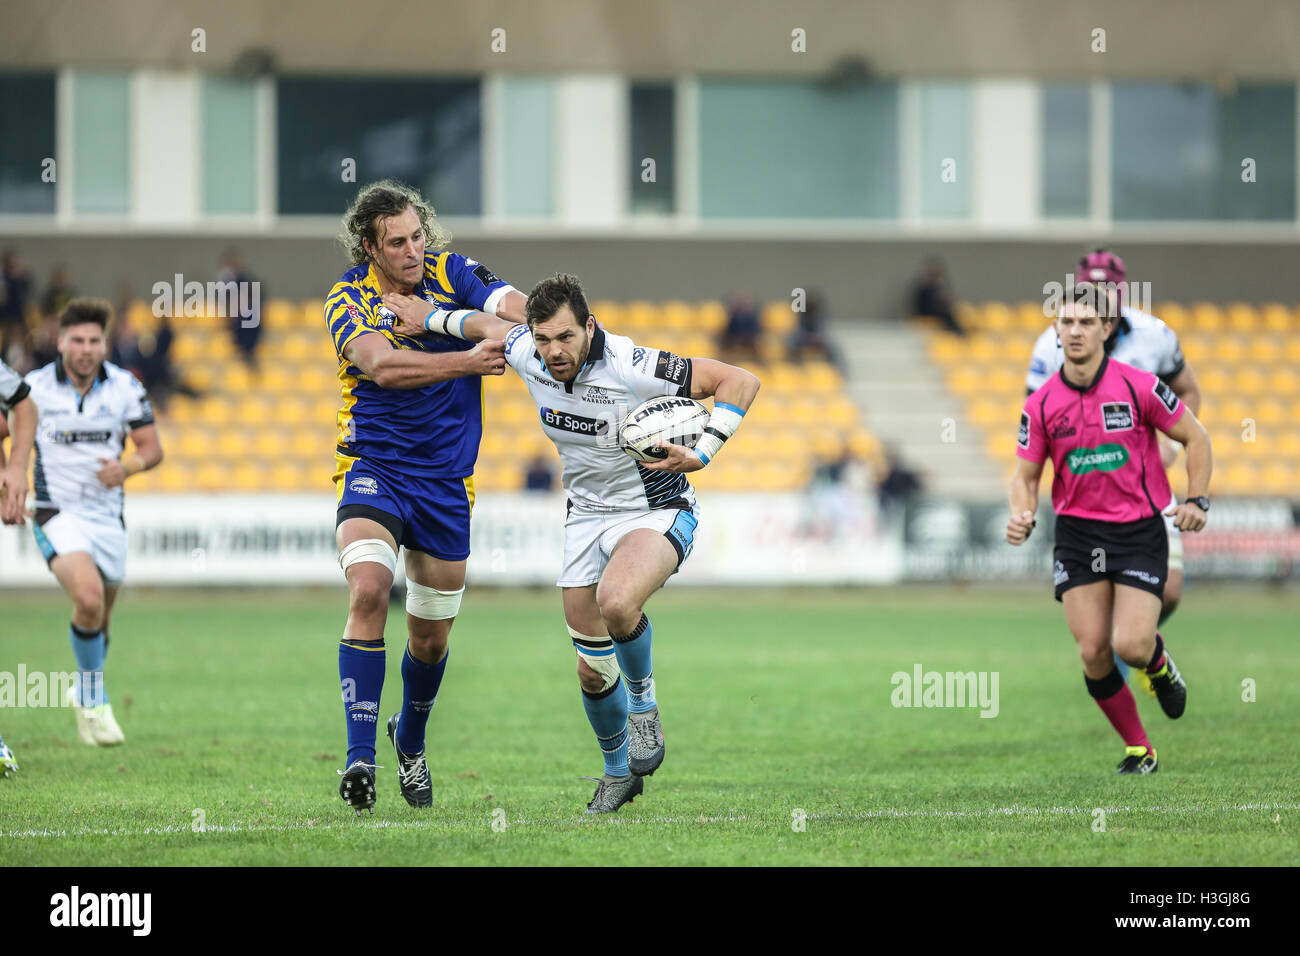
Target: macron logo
[102, 909]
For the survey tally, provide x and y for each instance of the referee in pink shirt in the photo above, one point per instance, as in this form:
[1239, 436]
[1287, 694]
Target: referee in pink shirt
[1097, 420]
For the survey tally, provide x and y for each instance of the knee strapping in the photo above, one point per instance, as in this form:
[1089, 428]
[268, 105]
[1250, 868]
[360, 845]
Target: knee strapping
[368, 549]
[598, 652]
[430, 604]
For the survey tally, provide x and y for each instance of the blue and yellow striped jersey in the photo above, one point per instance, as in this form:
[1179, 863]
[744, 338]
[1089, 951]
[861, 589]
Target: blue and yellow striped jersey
[434, 430]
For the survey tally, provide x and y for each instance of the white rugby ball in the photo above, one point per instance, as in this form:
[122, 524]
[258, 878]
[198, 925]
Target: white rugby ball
[672, 419]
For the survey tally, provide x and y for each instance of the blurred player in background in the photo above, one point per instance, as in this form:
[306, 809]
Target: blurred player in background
[1097, 419]
[408, 437]
[15, 405]
[87, 408]
[1145, 342]
[629, 525]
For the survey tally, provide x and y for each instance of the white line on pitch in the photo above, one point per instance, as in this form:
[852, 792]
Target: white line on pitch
[889, 812]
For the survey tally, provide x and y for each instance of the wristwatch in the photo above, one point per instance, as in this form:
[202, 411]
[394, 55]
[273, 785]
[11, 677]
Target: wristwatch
[1202, 502]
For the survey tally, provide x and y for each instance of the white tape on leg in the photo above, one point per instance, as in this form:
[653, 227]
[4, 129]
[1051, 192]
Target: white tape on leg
[430, 603]
[368, 549]
[598, 652]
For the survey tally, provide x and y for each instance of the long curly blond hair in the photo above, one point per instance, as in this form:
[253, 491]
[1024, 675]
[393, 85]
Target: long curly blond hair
[388, 197]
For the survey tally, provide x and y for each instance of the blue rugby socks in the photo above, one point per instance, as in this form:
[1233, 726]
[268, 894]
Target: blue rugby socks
[420, 682]
[88, 649]
[361, 676]
[633, 652]
[607, 712]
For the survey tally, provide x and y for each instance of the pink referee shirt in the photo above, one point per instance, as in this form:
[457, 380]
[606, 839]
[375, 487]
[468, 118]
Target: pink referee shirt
[1102, 441]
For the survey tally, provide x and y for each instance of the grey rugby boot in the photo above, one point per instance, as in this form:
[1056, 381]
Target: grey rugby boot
[613, 792]
[645, 742]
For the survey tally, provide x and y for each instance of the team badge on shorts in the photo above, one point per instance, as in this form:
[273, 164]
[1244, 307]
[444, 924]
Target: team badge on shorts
[364, 485]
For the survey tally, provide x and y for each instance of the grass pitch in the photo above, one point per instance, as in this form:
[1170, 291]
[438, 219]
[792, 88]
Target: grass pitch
[783, 745]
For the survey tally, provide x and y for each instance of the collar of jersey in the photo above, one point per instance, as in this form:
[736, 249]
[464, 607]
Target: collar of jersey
[62, 377]
[1101, 370]
[597, 348]
[1122, 328]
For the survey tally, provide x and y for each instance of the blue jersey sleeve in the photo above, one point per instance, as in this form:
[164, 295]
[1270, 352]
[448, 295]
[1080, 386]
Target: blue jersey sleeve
[344, 315]
[471, 284]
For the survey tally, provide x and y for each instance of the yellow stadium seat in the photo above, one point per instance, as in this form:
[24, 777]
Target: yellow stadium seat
[1031, 319]
[1174, 316]
[1006, 381]
[967, 316]
[1291, 350]
[1248, 382]
[1213, 380]
[677, 316]
[174, 476]
[1018, 350]
[965, 381]
[1270, 413]
[247, 476]
[1263, 349]
[1207, 317]
[640, 316]
[822, 377]
[267, 444]
[711, 318]
[779, 318]
[1242, 318]
[1196, 348]
[998, 318]
[1284, 382]
[606, 311]
[280, 314]
[311, 314]
[211, 477]
[987, 413]
[193, 444]
[946, 348]
[1275, 317]
[232, 446]
[1229, 348]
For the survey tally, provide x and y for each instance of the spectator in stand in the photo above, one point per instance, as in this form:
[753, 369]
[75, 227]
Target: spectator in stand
[45, 342]
[58, 293]
[932, 296]
[540, 476]
[899, 483]
[15, 292]
[811, 335]
[246, 329]
[739, 341]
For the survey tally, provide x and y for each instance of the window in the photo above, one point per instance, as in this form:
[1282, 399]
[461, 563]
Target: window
[1067, 150]
[27, 132]
[101, 150]
[1179, 152]
[798, 149]
[229, 131]
[426, 133]
[652, 184]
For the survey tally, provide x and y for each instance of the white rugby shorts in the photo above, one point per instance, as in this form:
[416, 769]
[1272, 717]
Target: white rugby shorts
[102, 537]
[590, 538]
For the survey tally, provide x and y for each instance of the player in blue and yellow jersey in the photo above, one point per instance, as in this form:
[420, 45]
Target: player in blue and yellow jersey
[408, 436]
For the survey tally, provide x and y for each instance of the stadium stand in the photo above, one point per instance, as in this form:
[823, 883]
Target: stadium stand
[1244, 357]
[275, 430]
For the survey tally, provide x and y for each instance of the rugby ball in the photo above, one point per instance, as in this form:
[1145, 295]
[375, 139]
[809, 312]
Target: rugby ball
[679, 421]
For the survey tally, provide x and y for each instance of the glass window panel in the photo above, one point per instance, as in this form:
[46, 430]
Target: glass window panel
[1178, 150]
[798, 149]
[653, 132]
[426, 133]
[1067, 150]
[101, 142]
[27, 132]
[528, 162]
[229, 124]
[945, 135]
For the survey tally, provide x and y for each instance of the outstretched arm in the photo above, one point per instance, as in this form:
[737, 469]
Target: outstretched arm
[388, 367]
[732, 390]
[415, 316]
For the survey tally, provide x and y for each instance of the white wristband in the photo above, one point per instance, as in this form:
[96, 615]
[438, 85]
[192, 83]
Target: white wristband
[722, 425]
[446, 322]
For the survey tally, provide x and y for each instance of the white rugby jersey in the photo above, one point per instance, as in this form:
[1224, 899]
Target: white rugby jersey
[583, 419]
[75, 431]
[1141, 340]
[12, 388]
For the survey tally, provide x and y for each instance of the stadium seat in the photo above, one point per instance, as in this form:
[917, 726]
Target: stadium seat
[946, 348]
[280, 314]
[1242, 318]
[1207, 317]
[779, 318]
[1174, 316]
[1276, 318]
[710, 318]
[1031, 319]
[998, 318]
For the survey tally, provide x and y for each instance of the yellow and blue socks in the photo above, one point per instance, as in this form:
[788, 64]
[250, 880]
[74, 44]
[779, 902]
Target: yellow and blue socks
[420, 683]
[633, 653]
[88, 649]
[361, 676]
[607, 713]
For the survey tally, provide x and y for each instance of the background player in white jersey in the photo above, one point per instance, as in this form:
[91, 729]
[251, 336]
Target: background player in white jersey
[1145, 342]
[17, 406]
[87, 408]
[630, 525]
